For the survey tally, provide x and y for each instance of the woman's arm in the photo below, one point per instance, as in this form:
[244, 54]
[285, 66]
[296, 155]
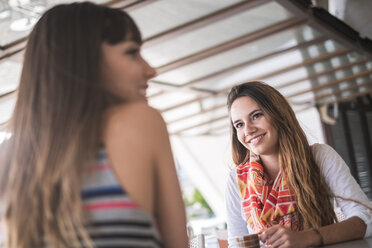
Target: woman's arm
[341, 183]
[169, 205]
[236, 225]
[281, 237]
[137, 144]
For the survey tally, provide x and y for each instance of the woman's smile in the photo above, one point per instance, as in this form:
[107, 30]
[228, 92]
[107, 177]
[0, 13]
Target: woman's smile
[255, 140]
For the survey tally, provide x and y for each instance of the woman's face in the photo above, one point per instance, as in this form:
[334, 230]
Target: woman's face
[125, 71]
[253, 128]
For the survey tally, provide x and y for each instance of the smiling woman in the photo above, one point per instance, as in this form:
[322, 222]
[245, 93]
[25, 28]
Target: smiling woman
[282, 187]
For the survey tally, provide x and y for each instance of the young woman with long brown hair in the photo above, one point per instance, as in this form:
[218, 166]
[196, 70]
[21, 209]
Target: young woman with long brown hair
[282, 187]
[89, 162]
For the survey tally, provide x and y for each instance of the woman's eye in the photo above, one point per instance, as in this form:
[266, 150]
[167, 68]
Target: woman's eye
[238, 125]
[133, 52]
[256, 116]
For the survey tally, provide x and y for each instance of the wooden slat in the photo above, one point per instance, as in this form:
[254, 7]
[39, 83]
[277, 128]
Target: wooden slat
[332, 83]
[342, 99]
[6, 96]
[200, 124]
[170, 87]
[323, 73]
[336, 92]
[308, 62]
[352, 96]
[240, 66]
[13, 48]
[198, 113]
[286, 69]
[240, 41]
[166, 87]
[213, 130]
[349, 97]
[19, 45]
[129, 5]
[197, 98]
[203, 21]
[317, 98]
[326, 72]
[3, 126]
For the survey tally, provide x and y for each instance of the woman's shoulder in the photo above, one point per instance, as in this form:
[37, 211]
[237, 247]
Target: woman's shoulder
[322, 150]
[132, 119]
[138, 113]
[328, 159]
[134, 111]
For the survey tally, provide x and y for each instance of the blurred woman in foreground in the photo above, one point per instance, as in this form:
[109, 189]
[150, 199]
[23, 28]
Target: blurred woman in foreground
[89, 162]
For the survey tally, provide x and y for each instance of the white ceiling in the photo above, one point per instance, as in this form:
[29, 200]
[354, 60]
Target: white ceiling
[201, 48]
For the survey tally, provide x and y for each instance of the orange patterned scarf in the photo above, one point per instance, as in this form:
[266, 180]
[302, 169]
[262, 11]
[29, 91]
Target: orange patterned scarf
[266, 205]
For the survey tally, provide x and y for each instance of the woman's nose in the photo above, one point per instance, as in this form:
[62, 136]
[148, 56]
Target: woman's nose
[249, 130]
[150, 71]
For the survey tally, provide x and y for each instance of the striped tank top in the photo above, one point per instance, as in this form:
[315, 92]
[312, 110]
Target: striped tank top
[114, 219]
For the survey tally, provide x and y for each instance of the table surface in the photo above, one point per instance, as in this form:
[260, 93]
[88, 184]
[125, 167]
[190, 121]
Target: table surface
[361, 243]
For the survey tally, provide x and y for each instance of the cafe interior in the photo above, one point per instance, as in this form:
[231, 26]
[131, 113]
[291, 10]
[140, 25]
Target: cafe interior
[318, 54]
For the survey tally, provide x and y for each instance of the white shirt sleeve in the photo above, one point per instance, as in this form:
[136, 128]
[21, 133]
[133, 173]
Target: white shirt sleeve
[236, 225]
[341, 183]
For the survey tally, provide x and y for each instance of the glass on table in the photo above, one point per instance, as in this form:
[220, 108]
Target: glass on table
[248, 241]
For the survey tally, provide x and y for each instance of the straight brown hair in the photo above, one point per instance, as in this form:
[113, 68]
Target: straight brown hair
[56, 124]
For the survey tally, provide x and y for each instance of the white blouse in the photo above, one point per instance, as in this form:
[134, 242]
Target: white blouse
[339, 180]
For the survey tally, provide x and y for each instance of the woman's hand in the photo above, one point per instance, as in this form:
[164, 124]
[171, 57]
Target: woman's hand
[280, 237]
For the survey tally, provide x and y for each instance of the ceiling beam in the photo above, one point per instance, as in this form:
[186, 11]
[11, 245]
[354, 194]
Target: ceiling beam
[13, 48]
[202, 22]
[332, 83]
[343, 99]
[308, 62]
[286, 69]
[312, 101]
[3, 126]
[165, 87]
[172, 87]
[20, 44]
[196, 99]
[168, 86]
[245, 64]
[200, 124]
[129, 5]
[237, 42]
[333, 93]
[6, 96]
[304, 44]
[340, 91]
[346, 98]
[198, 113]
[349, 97]
[323, 73]
[213, 130]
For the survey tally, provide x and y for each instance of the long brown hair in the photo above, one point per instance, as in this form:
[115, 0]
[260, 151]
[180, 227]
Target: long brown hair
[56, 124]
[295, 156]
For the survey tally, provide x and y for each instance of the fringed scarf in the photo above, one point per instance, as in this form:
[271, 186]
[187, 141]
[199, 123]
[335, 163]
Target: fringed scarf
[266, 205]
